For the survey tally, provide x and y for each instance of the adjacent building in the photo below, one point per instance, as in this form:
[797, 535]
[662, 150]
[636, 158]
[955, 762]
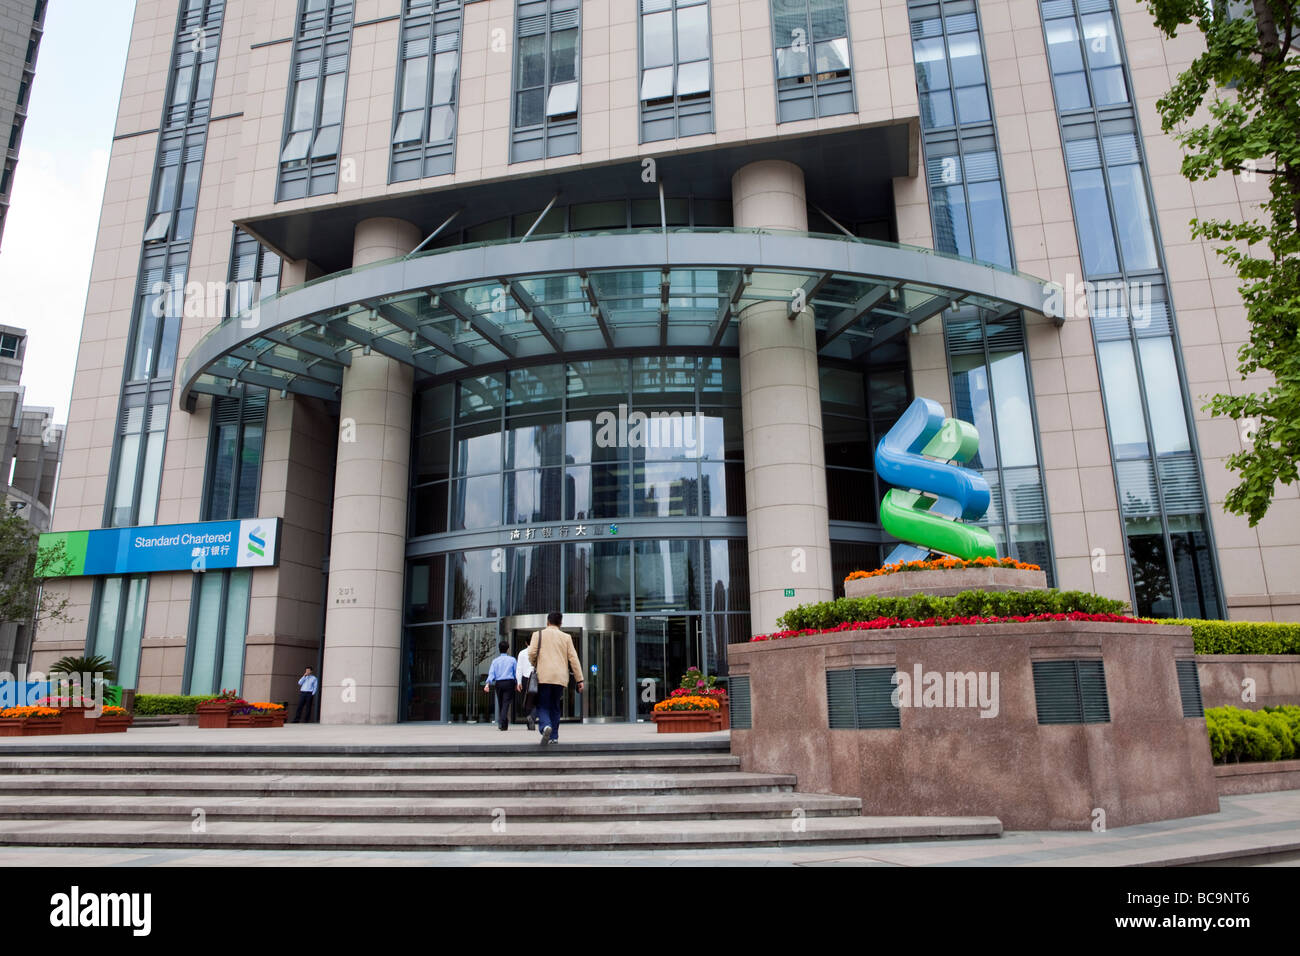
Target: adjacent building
[413, 320]
[30, 448]
[22, 23]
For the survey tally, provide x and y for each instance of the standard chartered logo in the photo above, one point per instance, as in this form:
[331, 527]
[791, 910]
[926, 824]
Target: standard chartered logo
[923, 456]
[256, 543]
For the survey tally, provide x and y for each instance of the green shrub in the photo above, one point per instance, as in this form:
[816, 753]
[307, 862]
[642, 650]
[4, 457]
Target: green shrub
[1242, 637]
[828, 614]
[157, 705]
[1238, 735]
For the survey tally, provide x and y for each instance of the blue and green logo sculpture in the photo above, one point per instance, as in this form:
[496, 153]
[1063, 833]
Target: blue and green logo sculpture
[922, 456]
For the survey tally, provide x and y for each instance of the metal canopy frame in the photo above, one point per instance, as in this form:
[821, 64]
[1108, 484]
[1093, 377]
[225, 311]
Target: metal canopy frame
[449, 310]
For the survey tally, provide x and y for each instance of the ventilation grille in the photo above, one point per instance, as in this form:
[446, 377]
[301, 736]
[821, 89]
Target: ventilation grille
[861, 699]
[742, 714]
[1071, 692]
[1189, 689]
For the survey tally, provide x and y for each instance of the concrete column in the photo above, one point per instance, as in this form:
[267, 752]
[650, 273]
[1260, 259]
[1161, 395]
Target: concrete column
[363, 612]
[785, 469]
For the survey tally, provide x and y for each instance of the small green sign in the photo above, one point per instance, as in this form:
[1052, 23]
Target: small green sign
[789, 592]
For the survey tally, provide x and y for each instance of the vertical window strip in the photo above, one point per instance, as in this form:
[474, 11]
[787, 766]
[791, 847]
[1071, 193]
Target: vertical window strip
[254, 275]
[814, 65]
[313, 124]
[236, 443]
[218, 630]
[427, 91]
[969, 215]
[676, 69]
[1159, 480]
[547, 79]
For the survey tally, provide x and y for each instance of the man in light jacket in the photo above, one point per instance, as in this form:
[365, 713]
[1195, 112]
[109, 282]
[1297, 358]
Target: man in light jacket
[552, 653]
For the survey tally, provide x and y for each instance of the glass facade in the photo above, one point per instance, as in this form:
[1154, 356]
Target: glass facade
[428, 86]
[1161, 491]
[585, 485]
[987, 359]
[313, 122]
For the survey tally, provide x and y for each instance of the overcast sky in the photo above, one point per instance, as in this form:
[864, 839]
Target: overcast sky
[49, 237]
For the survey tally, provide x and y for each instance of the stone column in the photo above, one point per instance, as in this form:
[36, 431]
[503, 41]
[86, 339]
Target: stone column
[785, 469]
[363, 611]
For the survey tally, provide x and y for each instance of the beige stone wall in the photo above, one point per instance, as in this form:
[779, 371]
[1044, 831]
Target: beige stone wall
[1260, 566]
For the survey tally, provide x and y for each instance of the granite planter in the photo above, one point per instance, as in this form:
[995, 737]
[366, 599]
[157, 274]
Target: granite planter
[687, 721]
[214, 715]
[946, 583]
[77, 720]
[111, 723]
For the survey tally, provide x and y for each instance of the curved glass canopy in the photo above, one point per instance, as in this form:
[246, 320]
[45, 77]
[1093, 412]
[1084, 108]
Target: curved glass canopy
[516, 301]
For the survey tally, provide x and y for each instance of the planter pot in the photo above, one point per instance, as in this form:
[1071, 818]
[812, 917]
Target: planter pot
[687, 721]
[31, 726]
[77, 720]
[214, 716]
[112, 723]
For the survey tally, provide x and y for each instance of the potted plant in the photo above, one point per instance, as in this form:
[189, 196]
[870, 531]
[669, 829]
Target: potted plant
[267, 714]
[114, 720]
[687, 714]
[30, 722]
[696, 683]
[215, 714]
[84, 685]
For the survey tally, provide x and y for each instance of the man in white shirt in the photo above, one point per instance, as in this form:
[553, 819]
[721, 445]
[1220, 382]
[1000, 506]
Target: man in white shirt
[307, 685]
[523, 671]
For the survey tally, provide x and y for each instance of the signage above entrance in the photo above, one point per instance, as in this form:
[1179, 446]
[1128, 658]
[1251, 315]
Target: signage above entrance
[202, 546]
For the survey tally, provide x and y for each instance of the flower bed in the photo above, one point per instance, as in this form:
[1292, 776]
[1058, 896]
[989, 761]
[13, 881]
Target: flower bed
[688, 714]
[943, 564]
[883, 623]
[30, 722]
[231, 710]
[975, 603]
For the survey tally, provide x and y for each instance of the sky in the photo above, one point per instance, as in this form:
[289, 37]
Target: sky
[49, 238]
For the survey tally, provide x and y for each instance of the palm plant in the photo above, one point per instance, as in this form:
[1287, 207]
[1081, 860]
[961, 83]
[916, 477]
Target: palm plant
[93, 664]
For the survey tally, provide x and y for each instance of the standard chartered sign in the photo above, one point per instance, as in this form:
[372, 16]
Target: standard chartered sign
[204, 546]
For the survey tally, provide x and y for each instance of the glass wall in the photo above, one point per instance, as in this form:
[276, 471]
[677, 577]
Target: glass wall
[579, 488]
[1153, 449]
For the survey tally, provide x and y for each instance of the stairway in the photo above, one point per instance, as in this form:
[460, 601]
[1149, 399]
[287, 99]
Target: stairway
[492, 798]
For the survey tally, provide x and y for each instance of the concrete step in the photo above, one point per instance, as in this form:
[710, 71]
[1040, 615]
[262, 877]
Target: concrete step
[448, 809]
[502, 833]
[412, 785]
[504, 764]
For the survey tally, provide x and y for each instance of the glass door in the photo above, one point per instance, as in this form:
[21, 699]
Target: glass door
[471, 649]
[665, 648]
[601, 643]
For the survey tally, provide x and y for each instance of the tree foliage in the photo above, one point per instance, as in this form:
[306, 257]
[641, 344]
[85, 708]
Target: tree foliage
[1248, 80]
[23, 570]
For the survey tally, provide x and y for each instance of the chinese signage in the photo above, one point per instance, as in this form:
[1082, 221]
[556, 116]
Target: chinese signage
[203, 546]
[552, 532]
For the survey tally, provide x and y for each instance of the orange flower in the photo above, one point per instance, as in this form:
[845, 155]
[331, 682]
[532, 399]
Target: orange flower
[945, 563]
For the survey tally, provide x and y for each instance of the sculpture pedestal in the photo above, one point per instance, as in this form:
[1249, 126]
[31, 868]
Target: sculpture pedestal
[946, 583]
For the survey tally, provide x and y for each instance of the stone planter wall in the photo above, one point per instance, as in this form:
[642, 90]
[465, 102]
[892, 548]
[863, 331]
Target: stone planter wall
[31, 726]
[1265, 777]
[946, 583]
[1147, 763]
[1276, 679]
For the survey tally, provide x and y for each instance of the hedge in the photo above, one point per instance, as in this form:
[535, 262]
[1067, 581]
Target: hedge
[157, 705]
[1242, 637]
[1238, 735]
[828, 614]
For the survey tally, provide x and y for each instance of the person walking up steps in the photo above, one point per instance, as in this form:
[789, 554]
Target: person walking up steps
[502, 677]
[551, 652]
[526, 688]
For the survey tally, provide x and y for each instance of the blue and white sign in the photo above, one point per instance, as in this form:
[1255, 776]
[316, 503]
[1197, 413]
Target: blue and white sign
[204, 546]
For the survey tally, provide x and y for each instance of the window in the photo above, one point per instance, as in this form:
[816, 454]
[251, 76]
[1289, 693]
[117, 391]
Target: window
[1157, 470]
[117, 623]
[546, 79]
[424, 124]
[1071, 692]
[814, 70]
[990, 387]
[675, 69]
[176, 187]
[235, 456]
[9, 345]
[218, 627]
[160, 304]
[254, 274]
[309, 155]
[194, 63]
[966, 201]
[141, 436]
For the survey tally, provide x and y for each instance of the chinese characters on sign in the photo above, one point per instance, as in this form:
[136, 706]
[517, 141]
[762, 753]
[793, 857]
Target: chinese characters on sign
[530, 533]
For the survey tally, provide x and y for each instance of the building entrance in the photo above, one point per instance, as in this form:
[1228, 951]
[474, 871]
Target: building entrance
[601, 643]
